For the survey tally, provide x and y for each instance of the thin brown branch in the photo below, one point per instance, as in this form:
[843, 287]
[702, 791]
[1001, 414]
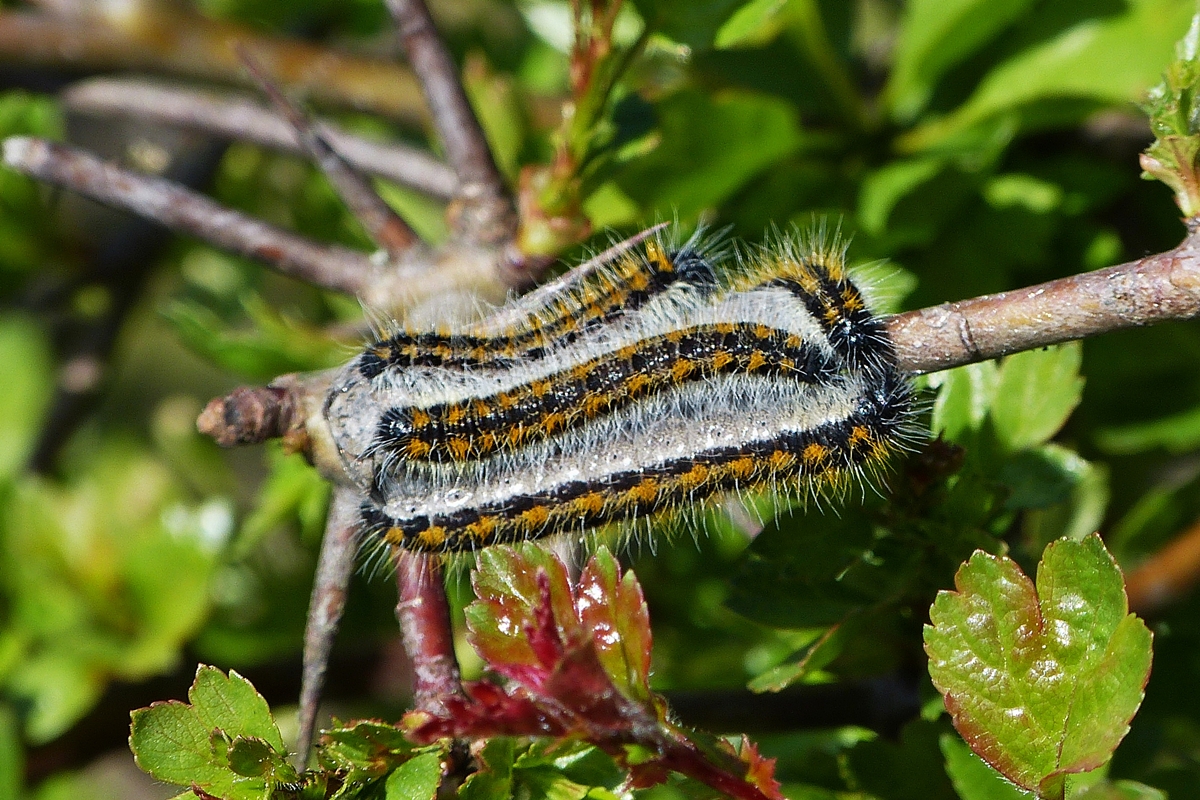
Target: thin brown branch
[1167, 575]
[1154, 289]
[424, 616]
[385, 227]
[339, 549]
[188, 212]
[162, 39]
[242, 119]
[487, 213]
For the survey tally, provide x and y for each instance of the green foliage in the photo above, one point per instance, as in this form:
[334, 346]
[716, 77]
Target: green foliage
[975, 146]
[1041, 682]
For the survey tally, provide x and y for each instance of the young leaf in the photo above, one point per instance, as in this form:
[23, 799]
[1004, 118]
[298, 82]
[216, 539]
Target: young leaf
[415, 779]
[1174, 155]
[225, 743]
[611, 606]
[1036, 392]
[1041, 682]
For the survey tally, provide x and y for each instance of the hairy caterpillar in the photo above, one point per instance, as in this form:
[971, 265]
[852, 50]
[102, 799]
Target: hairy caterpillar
[659, 383]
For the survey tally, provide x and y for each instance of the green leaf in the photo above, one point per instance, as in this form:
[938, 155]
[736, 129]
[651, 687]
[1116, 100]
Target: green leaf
[415, 779]
[973, 779]
[964, 398]
[754, 23]
[28, 381]
[1112, 59]
[934, 36]
[611, 606]
[231, 703]
[887, 186]
[225, 742]
[819, 652]
[11, 758]
[171, 744]
[494, 781]
[1178, 433]
[1040, 682]
[708, 148]
[1119, 790]
[687, 22]
[1037, 390]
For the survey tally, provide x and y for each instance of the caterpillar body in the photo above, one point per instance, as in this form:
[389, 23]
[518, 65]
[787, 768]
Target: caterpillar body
[655, 385]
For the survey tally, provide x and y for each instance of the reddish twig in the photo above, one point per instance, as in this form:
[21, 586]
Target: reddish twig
[162, 39]
[242, 119]
[424, 616]
[339, 549]
[486, 212]
[1167, 575]
[385, 227]
[188, 212]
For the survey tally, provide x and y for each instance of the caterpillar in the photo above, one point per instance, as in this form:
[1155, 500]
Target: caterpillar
[658, 384]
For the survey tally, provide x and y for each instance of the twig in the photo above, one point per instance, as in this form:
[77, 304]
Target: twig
[339, 549]
[385, 227]
[1167, 575]
[245, 120]
[166, 40]
[1154, 289]
[424, 616]
[188, 212]
[487, 214]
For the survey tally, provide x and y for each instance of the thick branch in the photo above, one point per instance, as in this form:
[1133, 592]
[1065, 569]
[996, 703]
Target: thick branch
[188, 212]
[488, 213]
[385, 227]
[245, 120]
[339, 549]
[1154, 289]
[161, 39]
[424, 616]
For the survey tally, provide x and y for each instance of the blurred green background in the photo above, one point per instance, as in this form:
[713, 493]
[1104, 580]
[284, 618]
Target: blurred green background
[967, 146]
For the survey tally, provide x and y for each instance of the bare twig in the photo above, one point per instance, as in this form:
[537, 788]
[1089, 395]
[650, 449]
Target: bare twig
[1154, 289]
[162, 39]
[487, 214]
[339, 549]
[385, 227]
[424, 616]
[245, 120]
[188, 212]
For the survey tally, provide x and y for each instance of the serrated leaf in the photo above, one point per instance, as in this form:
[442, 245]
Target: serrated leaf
[611, 606]
[415, 779]
[506, 586]
[1173, 156]
[1035, 393]
[230, 703]
[171, 744]
[1040, 682]
[364, 749]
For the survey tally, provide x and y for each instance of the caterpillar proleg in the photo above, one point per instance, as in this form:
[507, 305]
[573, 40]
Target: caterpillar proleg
[657, 384]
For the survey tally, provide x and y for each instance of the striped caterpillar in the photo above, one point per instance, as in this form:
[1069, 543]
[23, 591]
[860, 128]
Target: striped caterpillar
[658, 383]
